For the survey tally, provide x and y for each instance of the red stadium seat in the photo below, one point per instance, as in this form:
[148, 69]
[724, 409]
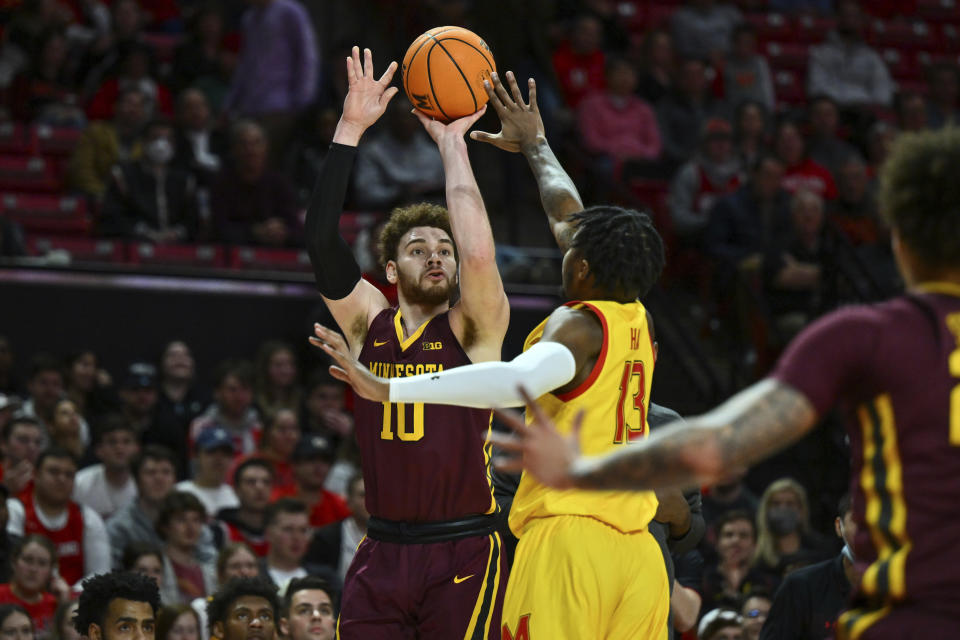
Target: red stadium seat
[24, 173]
[771, 26]
[789, 87]
[55, 141]
[269, 259]
[950, 37]
[900, 34]
[47, 214]
[207, 256]
[79, 249]
[939, 10]
[788, 55]
[14, 138]
[812, 30]
[902, 65]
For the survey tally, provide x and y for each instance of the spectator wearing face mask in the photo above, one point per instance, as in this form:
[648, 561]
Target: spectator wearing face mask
[810, 599]
[148, 199]
[784, 538]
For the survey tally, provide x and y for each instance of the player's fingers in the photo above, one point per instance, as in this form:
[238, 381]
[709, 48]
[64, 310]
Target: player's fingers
[351, 76]
[494, 98]
[502, 93]
[483, 136]
[506, 441]
[424, 120]
[539, 417]
[508, 465]
[472, 119]
[339, 374]
[512, 419]
[357, 66]
[515, 90]
[532, 94]
[388, 95]
[388, 74]
[368, 64]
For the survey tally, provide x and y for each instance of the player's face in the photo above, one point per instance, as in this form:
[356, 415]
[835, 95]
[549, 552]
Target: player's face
[311, 616]
[425, 269]
[125, 620]
[247, 618]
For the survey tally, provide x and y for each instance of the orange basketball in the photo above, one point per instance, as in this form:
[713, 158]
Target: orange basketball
[443, 72]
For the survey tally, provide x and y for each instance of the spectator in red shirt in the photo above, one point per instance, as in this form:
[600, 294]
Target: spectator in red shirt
[280, 437]
[135, 73]
[579, 62]
[34, 563]
[617, 125]
[801, 172]
[311, 463]
[252, 482]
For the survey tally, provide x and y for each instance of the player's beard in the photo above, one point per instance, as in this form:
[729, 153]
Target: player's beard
[415, 293]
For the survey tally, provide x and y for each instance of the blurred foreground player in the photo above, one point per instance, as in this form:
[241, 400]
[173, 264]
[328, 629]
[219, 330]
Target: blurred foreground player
[118, 606]
[430, 566]
[893, 367]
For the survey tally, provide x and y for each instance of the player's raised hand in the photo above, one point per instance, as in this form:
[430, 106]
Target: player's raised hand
[454, 130]
[544, 453]
[520, 122]
[367, 97]
[348, 368]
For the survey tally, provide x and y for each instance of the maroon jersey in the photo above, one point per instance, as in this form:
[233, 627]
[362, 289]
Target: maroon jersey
[894, 368]
[421, 462]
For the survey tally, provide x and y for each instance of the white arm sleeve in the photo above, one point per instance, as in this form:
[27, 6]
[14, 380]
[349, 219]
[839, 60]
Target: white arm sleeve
[541, 368]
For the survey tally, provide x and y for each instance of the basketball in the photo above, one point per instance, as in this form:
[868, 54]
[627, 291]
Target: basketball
[443, 73]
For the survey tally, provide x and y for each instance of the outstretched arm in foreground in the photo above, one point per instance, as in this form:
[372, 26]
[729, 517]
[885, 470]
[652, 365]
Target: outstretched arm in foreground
[353, 301]
[480, 319]
[521, 130]
[757, 422]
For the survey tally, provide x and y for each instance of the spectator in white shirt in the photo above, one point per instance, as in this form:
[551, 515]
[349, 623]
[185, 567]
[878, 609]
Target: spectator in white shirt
[846, 68]
[109, 486]
[214, 455]
[288, 533]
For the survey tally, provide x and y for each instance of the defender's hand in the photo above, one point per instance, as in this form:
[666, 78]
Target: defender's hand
[545, 453]
[367, 98]
[520, 123]
[350, 370]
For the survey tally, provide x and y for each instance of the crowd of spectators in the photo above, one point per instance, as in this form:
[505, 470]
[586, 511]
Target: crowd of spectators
[208, 122]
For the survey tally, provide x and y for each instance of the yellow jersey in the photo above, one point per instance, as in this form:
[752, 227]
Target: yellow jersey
[615, 398]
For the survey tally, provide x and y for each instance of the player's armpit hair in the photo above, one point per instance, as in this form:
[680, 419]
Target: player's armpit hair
[335, 269]
[752, 425]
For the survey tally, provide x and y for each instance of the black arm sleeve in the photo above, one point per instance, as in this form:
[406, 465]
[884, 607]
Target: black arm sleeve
[698, 525]
[334, 267]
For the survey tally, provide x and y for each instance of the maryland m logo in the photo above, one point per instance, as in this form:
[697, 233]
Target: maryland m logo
[523, 630]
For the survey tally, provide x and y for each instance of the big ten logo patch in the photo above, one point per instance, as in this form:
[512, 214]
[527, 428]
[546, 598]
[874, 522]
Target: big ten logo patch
[433, 346]
[522, 633]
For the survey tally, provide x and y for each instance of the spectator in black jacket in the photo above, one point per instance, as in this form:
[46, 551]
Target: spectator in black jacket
[333, 545]
[148, 199]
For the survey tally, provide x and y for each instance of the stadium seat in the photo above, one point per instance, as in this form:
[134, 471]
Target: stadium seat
[899, 34]
[771, 26]
[789, 87]
[47, 213]
[788, 55]
[55, 141]
[28, 173]
[902, 65]
[207, 256]
[13, 138]
[269, 259]
[939, 10]
[79, 249]
[811, 30]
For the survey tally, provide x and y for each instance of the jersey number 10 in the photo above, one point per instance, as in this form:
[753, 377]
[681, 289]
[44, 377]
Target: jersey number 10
[412, 434]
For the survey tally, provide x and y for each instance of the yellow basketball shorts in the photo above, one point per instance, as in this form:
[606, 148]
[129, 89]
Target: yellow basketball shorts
[578, 578]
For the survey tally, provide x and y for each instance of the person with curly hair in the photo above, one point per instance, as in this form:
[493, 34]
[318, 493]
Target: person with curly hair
[121, 605]
[244, 609]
